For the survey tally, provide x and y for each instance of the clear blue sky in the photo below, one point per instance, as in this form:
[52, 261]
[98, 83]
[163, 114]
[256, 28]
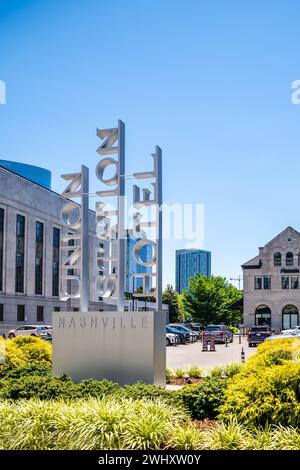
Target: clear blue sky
[209, 81]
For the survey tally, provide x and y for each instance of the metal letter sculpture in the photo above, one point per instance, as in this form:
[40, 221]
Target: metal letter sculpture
[74, 243]
[112, 233]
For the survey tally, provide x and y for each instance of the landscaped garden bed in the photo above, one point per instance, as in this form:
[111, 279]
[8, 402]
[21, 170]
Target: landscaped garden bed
[254, 406]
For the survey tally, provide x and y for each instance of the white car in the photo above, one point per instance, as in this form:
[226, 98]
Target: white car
[289, 331]
[172, 339]
[286, 336]
[29, 330]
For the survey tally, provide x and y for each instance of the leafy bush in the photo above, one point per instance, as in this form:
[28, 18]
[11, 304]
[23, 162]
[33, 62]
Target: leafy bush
[267, 389]
[179, 373]
[25, 350]
[87, 424]
[269, 395]
[169, 374]
[195, 371]
[203, 399]
[226, 371]
[234, 329]
[108, 423]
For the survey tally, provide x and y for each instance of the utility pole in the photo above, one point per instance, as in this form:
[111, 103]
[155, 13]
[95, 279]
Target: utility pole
[237, 279]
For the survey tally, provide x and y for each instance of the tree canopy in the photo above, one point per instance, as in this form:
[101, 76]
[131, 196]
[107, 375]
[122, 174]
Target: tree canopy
[207, 300]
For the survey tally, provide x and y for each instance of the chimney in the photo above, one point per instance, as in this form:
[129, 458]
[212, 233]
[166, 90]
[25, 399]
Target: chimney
[260, 249]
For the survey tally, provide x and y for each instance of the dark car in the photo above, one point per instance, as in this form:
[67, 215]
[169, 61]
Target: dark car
[194, 335]
[221, 333]
[184, 336]
[257, 334]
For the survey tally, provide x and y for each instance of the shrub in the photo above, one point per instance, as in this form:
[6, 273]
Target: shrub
[187, 438]
[195, 371]
[234, 329]
[179, 373]
[226, 371]
[151, 392]
[203, 399]
[260, 396]
[24, 350]
[37, 386]
[87, 424]
[169, 374]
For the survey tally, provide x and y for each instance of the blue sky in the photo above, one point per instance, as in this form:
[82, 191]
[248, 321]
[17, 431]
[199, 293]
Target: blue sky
[210, 82]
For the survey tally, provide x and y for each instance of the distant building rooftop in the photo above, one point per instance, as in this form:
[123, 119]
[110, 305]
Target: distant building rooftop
[36, 174]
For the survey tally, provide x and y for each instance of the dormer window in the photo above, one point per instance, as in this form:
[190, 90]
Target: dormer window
[277, 259]
[289, 259]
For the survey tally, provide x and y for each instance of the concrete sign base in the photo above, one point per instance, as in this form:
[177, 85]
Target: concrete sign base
[124, 347]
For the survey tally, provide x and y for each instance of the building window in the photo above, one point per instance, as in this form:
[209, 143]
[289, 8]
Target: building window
[39, 313]
[290, 317]
[289, 259]
[56, 309]
[262, 315]
[277, 259]
[285, 282]
[39, 248]
[20, 251]
[298, 259]
[20, 312]
[1, 246]
[55, 262]
[75, 309]
[294, 282]
[1, 312]
[267, 282]
[257, 282]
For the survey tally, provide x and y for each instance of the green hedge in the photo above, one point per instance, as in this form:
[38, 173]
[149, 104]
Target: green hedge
[267, 389]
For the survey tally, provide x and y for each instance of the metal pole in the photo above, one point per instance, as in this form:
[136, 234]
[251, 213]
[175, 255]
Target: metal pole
[84, 256]
[158, 188]
[242, 355]
[121, 216]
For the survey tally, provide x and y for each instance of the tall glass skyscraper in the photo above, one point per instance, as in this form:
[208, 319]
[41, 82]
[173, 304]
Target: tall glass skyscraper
[190, 262]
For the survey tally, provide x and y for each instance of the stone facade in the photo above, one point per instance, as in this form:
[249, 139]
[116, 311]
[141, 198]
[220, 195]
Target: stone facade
[21, 196]
[271, 283]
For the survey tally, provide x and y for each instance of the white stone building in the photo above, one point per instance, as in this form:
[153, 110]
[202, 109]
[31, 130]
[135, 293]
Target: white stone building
[30, 257]
[30, 233]
[271, 283]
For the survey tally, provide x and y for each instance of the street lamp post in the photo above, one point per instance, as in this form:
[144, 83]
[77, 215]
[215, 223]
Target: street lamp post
[237, 279]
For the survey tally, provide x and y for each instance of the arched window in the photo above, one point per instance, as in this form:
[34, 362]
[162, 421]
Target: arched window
[290, 316]
[263, 315]
[277, 259]
[289, 259]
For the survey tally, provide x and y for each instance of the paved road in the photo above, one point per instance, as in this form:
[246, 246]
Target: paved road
[188, 354]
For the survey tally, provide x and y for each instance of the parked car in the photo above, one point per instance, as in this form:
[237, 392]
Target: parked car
[258, 334]
[29, 330]
[184, 337]
[287, 336]
[194, 335]
[172, 339]
[221, 333]
[47, 338]
[289, 331]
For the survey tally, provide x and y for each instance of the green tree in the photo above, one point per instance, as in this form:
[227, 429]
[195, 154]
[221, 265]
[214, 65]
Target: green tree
[170, 297]
[208, 299]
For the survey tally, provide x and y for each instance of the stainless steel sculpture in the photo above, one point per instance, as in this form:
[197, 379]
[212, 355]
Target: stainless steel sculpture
[75, 254]
[146, 200]
[121, 346]
[112, 284]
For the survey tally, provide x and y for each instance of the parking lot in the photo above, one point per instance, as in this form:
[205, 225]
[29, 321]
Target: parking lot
[185, 355]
